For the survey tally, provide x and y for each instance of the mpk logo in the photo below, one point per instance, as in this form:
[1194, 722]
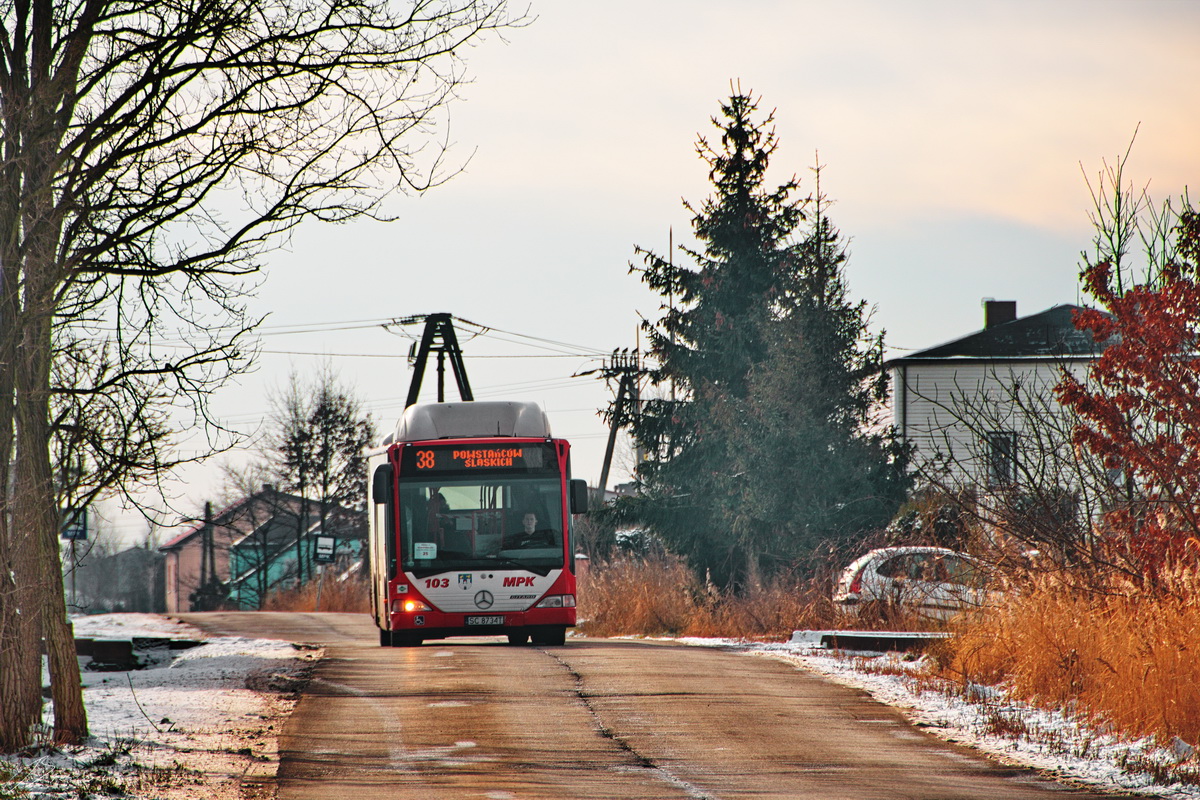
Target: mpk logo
[516, 581]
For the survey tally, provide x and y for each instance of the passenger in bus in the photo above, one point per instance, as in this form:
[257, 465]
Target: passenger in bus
[435, 520]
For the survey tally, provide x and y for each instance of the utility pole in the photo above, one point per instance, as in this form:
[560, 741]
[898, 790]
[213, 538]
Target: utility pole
[671, 293]
[209, 593]
[625, 367]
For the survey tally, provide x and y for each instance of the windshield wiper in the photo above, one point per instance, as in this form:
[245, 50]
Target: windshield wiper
[512, 562]
[482, 562]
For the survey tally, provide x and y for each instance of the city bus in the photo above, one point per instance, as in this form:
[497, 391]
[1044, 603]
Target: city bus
[470, 528]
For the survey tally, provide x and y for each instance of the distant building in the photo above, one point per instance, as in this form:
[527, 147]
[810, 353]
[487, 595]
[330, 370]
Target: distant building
[267, 558]
[254, 546]
[130, 581]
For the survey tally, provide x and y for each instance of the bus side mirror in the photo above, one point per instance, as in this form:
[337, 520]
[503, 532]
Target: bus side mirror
[381, 484]
[579, 496]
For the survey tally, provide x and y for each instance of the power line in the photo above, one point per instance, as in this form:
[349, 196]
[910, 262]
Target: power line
[405, 355]
[388, 324]
[489, 331]
[387, 404]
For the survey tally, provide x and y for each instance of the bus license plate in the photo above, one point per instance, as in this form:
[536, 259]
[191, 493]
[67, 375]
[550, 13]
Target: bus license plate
[488, 620]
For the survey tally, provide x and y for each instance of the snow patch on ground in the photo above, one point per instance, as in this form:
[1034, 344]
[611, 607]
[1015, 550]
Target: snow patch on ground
[196, 722]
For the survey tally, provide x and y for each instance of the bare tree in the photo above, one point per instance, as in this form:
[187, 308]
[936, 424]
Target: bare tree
[1000, 451]
[316, 452]
[150, 153]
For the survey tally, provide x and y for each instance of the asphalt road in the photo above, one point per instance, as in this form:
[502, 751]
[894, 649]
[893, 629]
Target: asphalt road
[474, 718]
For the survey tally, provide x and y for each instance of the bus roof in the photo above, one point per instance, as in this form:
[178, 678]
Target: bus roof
[483, 418]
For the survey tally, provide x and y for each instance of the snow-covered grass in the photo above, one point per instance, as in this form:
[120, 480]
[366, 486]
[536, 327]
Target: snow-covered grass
[197, 722]
[985, 718]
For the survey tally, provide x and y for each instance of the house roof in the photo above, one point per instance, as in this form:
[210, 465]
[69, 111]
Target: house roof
[1047, 334]
[230, 516]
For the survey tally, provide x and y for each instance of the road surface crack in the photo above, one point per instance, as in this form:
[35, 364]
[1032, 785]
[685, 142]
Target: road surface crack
[641, 760]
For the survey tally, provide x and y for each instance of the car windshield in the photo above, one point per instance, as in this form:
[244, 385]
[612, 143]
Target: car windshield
[508, 522]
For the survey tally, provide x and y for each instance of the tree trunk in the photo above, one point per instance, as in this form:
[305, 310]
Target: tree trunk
[20, 650]
[66, 684]
[20, 678]
[753, 573]
[20, 701]
[301, 529]
[36, 506]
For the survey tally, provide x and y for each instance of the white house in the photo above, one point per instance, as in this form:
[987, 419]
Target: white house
[981, 408]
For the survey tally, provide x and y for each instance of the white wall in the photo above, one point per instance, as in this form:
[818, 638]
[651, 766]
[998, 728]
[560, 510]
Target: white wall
[945, 408]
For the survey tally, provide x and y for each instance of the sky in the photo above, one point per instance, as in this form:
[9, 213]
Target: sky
[957, 142]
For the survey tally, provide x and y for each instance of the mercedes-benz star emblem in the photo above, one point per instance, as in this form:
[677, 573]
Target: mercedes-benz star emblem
[484, 599]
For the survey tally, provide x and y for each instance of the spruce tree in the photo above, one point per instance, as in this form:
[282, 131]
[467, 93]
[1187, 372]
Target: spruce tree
[756, 445]
[823, 468]
[710, 337]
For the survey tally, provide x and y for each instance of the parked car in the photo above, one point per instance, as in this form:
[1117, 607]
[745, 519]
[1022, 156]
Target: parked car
[933, 582]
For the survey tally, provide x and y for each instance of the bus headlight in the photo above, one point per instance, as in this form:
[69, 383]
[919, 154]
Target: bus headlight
[558, 601]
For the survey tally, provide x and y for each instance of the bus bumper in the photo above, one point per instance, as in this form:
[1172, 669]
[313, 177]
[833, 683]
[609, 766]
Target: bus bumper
[437, 624]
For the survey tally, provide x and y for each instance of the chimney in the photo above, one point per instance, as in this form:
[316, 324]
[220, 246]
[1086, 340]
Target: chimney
[998, 312]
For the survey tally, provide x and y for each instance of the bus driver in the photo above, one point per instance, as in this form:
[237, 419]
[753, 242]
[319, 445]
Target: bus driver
[533, 536]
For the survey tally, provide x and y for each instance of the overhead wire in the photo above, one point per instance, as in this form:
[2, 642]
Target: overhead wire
[553, 349]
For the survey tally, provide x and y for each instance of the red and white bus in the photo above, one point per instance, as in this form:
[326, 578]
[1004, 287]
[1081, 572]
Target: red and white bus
[470, 525]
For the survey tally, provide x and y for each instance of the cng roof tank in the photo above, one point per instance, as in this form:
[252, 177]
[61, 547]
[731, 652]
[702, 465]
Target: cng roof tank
[480, 418]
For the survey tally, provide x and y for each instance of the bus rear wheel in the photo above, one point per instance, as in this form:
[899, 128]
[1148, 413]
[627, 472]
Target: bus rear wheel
[553, 636]
[398, 639]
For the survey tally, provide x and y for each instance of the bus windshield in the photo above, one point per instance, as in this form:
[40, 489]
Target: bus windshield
[478, 522]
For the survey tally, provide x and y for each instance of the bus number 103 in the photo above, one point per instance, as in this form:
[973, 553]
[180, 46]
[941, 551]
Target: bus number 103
[437, 583]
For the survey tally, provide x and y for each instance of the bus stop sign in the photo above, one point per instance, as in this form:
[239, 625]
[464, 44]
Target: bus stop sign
[325, 547]
[74, 524]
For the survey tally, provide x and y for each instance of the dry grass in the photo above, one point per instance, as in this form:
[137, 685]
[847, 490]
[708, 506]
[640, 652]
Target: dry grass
[662, 597]
[1120, 658]
[657, 597]
[350, 595]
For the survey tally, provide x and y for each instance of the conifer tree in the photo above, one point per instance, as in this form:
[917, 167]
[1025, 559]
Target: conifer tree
[824, 467]
[757, 338]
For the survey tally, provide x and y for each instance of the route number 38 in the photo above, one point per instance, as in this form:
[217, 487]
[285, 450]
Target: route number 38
[424, 459]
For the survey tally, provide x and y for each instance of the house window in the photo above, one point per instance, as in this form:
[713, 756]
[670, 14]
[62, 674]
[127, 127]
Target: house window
[1001, 453]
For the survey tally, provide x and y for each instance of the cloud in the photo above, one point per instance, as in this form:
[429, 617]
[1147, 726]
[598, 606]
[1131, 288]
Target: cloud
[987, 108]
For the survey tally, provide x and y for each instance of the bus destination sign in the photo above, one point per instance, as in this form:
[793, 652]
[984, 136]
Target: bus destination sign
[477, 458]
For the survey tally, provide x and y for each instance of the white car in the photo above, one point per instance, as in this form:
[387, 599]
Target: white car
[934, 582]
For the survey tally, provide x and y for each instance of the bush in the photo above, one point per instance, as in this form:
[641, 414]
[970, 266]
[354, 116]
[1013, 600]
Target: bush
[349, 595]
[661, 596]
[655, 597]
[1118, 656]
